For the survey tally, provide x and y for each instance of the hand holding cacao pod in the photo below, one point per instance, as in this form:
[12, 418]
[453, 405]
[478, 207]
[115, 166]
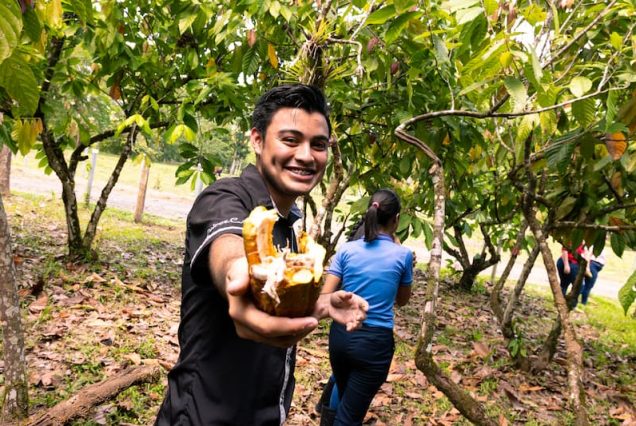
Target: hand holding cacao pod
[282, 283]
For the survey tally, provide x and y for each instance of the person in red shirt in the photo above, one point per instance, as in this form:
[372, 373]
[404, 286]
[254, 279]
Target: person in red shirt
[568, 266]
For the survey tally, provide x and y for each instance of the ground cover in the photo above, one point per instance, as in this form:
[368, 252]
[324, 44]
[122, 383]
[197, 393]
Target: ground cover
[88, 321]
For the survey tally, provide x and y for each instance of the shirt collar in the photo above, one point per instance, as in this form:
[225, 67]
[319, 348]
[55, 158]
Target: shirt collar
[254, 181]
[384, 237]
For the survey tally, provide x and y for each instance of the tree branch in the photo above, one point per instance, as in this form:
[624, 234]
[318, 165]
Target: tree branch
[608, 228]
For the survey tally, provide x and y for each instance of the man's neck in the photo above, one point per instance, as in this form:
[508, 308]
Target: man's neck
[283, 206]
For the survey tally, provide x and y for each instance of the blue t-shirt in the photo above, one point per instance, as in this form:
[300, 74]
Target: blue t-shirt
[374, 271]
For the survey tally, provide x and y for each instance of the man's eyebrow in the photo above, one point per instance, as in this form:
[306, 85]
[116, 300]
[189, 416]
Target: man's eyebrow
[301, 134]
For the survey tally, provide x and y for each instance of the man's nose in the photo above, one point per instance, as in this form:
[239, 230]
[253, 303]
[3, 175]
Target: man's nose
[303, 152]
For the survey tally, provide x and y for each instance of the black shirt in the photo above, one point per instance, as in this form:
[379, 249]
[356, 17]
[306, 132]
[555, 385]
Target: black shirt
[220, 378]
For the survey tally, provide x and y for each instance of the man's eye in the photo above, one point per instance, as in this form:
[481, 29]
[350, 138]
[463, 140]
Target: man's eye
[289, 140]
[320, 146]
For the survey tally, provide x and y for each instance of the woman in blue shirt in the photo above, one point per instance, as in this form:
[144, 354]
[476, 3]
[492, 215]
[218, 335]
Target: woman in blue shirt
[381, 271]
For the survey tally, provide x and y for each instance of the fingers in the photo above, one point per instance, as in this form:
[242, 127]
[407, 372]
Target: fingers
[254, 324]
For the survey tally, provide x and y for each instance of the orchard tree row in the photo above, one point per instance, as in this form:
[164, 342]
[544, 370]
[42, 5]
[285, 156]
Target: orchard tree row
[513, 120]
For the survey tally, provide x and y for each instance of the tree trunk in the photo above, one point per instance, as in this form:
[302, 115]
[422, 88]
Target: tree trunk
[5, 171]
[468, 276]
[576, 396]
[16, 401]
[470, 408]
[495, 295]
[141, 194]
[506, 320]
[100, 206]
[92, 395]
[55, 155]
[549, 347]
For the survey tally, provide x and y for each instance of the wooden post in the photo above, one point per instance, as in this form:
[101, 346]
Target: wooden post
[5, 170]
[141, 194]
[199, 184]
[91, 175]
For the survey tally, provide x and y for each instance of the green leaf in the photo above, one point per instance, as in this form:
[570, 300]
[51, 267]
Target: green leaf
[454, 5]
[565, 207]
[10, 28]
[83, 9]
[5, 137]
[548, 122]
[274, 9]
[465, 16]
[32, 25]
[360, 205]
[491, 6]
[579, 86]
[587, 142]
[602, 163]
[517, 92]
[616, 41]
[380, 16]
[186, 21]
[286, 13]
[618, 244]
[534, 14]
[250, 61]
[584, 111]
[17, 78]
[405, 222]
[402, 6]
[405, 166]
[398, 25]
[627, 293]
[441, 52]
[428, 234]
[599, 243]
[528, 122]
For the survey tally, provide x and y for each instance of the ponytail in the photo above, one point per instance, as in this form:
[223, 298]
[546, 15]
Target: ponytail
[383, 206]
[371, 222]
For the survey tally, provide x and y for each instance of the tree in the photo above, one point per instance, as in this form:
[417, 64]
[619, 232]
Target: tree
[5, 170]
[16, 401]
[145, 60]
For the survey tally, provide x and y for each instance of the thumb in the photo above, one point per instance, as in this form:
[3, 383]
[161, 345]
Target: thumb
[237, 278]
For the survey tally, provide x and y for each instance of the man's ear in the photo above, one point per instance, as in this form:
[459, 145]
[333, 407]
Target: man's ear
[257, 140]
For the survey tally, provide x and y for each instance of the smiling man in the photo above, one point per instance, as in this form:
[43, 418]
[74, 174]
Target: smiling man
[236, 365]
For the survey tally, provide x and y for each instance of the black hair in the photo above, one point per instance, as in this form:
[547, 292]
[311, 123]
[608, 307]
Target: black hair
[308, 98]
[384, 205]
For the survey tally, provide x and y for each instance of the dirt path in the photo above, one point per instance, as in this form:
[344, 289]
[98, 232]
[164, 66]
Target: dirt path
[124, 197]
[175, 206]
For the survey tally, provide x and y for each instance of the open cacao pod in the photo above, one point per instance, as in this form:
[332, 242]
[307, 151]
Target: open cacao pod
[282, 283]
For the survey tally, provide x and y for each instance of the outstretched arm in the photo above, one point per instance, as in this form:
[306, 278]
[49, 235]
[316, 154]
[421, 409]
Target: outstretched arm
[231, 277]
[344, 307]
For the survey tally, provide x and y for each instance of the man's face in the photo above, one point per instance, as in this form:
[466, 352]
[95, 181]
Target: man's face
[293, 155]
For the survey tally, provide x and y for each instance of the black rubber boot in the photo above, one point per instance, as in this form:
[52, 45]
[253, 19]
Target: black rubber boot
[327, 416]
[326, 396]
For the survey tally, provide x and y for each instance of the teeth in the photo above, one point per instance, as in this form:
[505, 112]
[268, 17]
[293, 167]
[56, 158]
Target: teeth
[301, 171]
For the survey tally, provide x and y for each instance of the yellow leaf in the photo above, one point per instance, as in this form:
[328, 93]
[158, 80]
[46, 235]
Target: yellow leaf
[25, 132]
[271, 54]
[54, 14]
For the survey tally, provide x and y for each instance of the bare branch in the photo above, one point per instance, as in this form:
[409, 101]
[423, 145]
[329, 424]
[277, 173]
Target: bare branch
[608, 228]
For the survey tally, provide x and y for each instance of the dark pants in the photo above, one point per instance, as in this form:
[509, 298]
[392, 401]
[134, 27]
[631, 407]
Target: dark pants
[567, 279]
[589, 282]
[360, 361]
